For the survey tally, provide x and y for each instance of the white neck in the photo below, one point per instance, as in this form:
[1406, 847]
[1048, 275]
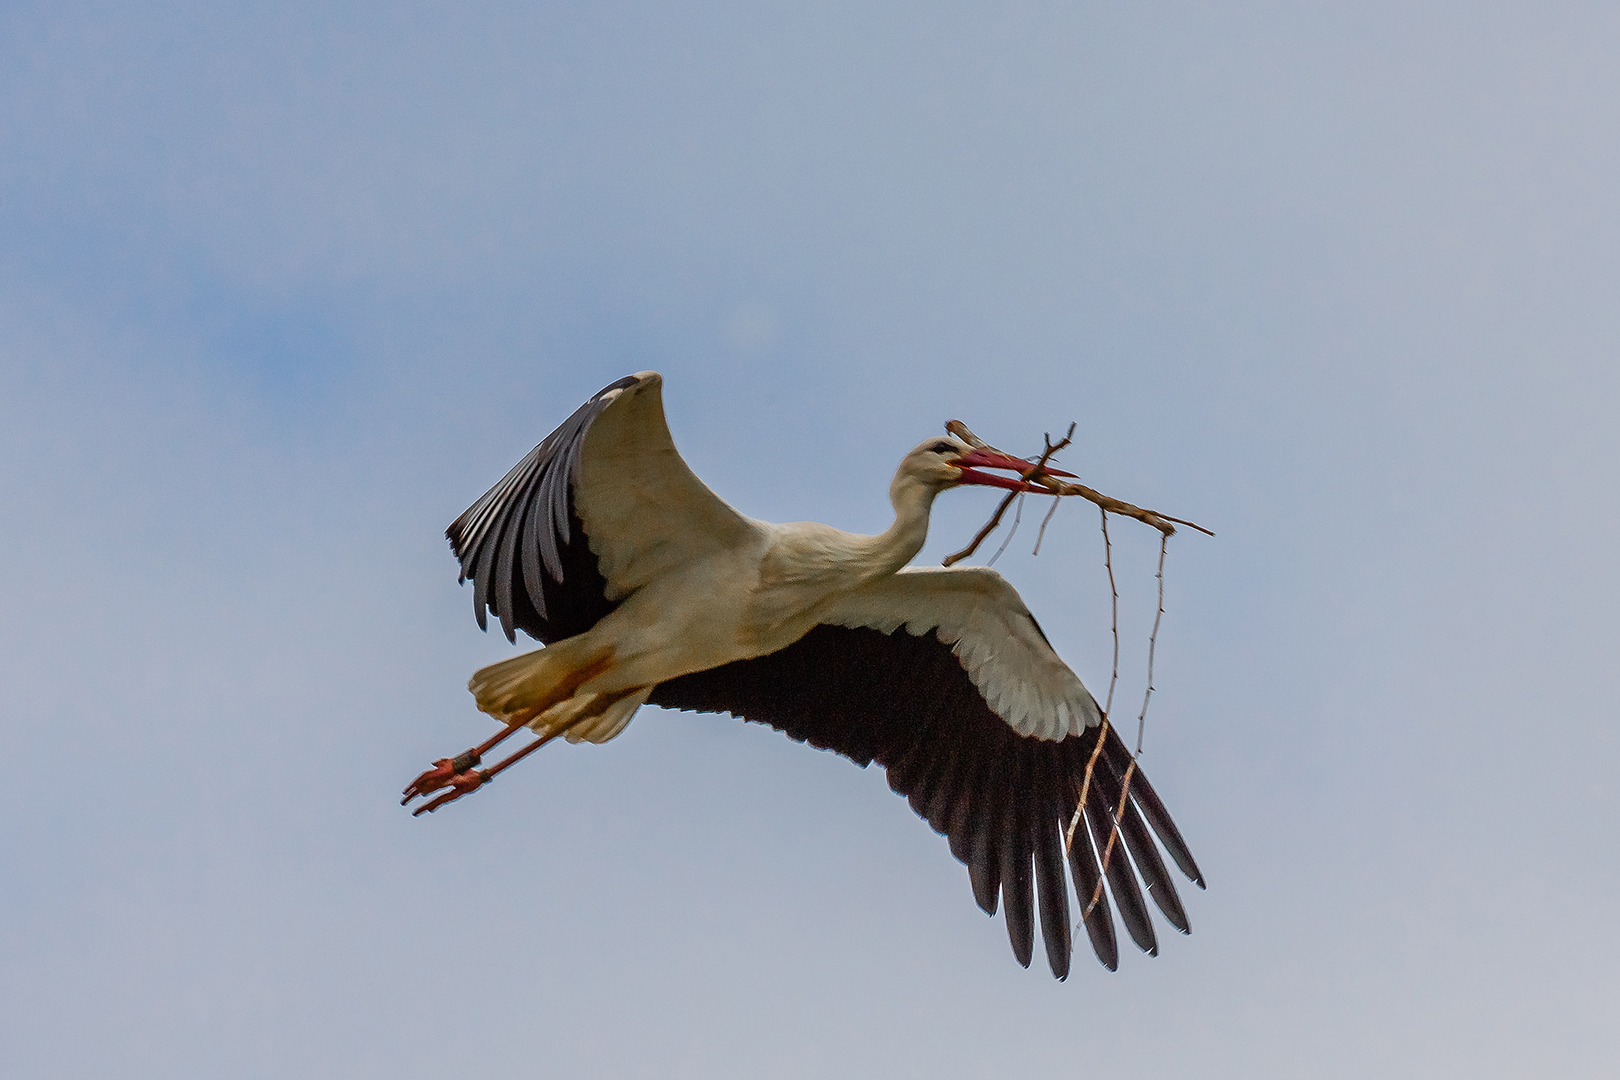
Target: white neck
[897, 545]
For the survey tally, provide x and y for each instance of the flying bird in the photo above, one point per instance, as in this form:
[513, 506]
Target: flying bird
[645, 587]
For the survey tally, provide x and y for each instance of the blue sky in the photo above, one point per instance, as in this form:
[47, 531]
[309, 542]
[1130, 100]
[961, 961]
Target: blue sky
[283, 290]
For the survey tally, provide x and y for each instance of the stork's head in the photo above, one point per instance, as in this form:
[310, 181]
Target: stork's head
[947, 461]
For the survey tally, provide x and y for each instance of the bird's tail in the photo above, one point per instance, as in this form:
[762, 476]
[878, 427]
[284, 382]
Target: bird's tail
[522, 689]
[542, 689]
[614, 717]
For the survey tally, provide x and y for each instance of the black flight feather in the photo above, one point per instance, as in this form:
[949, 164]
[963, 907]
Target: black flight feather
[1004, 800]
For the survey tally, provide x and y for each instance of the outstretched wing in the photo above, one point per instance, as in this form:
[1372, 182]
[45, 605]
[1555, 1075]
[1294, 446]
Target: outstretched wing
[603, 505]
[920, 688]
[980, 615]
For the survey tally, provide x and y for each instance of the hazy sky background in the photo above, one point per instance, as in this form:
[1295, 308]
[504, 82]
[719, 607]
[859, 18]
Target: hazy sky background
[283, 289]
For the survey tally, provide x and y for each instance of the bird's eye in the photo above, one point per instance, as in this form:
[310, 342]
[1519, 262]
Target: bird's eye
[943, 448]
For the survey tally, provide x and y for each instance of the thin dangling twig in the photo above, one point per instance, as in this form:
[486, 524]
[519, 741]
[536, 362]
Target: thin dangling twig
[1153, 643]
[1113, 591]
[1018, 517]
[1085, 787]
[1045, 521]
[1113, 679]
[1141, 725]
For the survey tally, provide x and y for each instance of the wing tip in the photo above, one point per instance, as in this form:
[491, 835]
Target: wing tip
[986, 887]
[1024, 955]
[641, 380]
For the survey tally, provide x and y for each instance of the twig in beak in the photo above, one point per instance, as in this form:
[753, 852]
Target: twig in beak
[1035, 475]
[1163, 522]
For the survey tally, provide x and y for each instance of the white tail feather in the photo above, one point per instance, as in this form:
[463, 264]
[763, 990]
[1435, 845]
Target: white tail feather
[526, 687]
[613, 720]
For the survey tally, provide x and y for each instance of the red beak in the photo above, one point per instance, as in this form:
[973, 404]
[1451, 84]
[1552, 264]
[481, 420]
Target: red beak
[989, 459]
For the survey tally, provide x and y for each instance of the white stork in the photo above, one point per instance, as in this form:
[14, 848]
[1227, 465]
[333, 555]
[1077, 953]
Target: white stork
[645, 586]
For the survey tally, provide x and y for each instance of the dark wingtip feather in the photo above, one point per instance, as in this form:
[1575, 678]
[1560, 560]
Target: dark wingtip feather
[985, 862]
[1021, 933]
[1053, 888]
[1051, 884]
[1017, 886]
[520, 546]
[986, 887]
[1154, 810]
[1099, 922]
[1151, 868]
[988, 788]
[453, 534]
[1121, 877]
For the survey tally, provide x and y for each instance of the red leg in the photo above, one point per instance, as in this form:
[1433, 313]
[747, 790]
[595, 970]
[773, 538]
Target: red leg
[446, 770]
[467, 779]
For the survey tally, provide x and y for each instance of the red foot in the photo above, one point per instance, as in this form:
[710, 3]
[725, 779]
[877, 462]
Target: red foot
[462, 775]
[443, 773]
[460, 784]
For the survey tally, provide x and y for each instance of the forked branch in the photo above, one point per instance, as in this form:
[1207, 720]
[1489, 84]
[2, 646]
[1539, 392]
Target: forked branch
[1163, 522]
[1033, 475]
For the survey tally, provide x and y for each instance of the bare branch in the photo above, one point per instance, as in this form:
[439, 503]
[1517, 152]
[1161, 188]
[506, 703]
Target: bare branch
[1141, 726]
[989, 527]
[1036, 474]
[1153, 645]
[1163, 522]
[1018, 517]
[1085, 789]
[1045, 521]
[1113, 837]
[961, 431]
[1113, 607]
[1113, 680]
